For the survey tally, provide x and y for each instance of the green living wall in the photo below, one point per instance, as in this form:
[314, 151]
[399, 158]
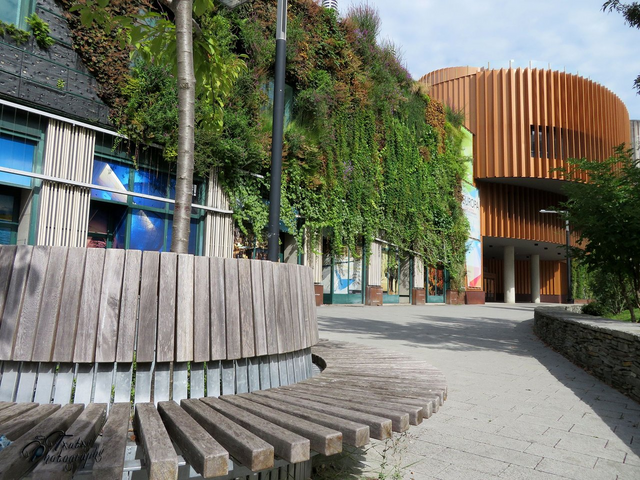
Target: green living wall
[367, 153]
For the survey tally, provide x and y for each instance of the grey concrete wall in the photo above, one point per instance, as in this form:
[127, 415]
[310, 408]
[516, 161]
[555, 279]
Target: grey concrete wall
[54, 79]
[608, 349]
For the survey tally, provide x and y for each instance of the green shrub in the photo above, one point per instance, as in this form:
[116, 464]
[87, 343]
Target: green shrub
[596, 309]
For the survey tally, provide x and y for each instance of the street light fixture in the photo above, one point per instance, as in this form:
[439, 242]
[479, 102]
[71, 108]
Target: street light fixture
[568, 247]
[273, 247]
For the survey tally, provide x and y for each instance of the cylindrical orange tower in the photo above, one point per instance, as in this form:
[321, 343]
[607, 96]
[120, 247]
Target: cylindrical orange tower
[526, 124]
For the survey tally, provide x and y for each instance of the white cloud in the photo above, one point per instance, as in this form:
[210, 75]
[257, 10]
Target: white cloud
[571, 34]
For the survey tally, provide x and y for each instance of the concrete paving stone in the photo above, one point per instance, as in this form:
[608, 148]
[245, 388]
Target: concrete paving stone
[516, 472]
[575, 458]
[567, 470]
[506, 455]
[420, 466]
[482, 437]
[632, 459]
[623, 470]
[472, 461]
[590, 445]
[548, 421]
[527, 432]
[455, 419]
[597, 431]
[455, 472]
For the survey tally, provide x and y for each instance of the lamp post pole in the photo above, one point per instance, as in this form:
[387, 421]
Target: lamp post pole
[568, 250]
[273, 248]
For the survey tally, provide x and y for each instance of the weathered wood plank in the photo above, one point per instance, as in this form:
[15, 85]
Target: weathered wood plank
[323, 440]
[13, 464]
[15, 411]
[85, 344]
[28, 322]
[13, 303]
[129, 307]
[79, 439]
[259, 320]
[148, 318]
[113, 442]
[296, 314]
[161, 457]
[313, 312]
[218, 310]
[167, 307]
[247, 328]
[247, 448]
[50, 307]
[107, 335]
[232, 308]
[201, 311]
[199, 449]
[380, 428]
[307, 295]
[288, 445]
[16, 427]
[7, 255]
[270, 311]
[400, 420]
[184, 316]
[69, 306]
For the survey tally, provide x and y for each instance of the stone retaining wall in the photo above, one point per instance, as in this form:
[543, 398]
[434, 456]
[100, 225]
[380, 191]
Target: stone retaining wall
[608, 349]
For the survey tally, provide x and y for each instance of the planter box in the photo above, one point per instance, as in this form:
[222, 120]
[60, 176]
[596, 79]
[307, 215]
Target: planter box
[419, 296]
[373, 295]
[319, 290]
[474, 297]
[455, 298]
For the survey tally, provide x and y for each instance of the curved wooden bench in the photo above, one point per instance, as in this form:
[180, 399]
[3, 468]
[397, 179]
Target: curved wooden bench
[214, 354]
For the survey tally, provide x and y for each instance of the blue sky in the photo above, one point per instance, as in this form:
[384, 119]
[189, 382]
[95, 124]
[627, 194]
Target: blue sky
[575, 35]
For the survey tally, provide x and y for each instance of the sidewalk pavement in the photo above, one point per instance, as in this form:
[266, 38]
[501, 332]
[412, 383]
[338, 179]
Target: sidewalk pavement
[515, 408]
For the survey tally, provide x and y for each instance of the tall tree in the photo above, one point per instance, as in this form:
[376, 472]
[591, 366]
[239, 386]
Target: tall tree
[631, 13]
[163, 32]
[606, 212]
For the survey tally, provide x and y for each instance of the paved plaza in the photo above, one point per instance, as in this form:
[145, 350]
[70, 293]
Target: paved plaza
[515, 410]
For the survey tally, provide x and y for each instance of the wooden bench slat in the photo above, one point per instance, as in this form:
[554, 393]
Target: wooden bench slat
[65, 334]
[167, 307]
[283, 310]
[218, 309]
[313, 314]
[400, 420]
[288, 445]
[13, 303]
[247, 327]
[364, 400]
[113, 441]
[148, 317]
[294, 290]
[51, 297]
[7, 255]
[13, 464]
[128, 317]
[4, 405]
[15, 410]
[200, 450]
[89, 306]
[18, 426]
[380, 428]
[232, 309]
[427, 402]
[110, 299]
[247, 448]
[82, 435]
[28, 322]
[270, 309]
[324, 440]
[184, 309]
[162, 459]
[353, 433]
[259, 319]
[201, 311]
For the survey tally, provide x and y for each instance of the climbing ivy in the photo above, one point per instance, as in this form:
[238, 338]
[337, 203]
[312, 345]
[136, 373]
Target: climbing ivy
[366, 154]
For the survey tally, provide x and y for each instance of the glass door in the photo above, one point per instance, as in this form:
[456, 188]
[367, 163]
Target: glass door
[435, 285]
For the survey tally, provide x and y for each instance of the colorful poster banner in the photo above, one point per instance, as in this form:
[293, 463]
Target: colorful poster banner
[474, 264]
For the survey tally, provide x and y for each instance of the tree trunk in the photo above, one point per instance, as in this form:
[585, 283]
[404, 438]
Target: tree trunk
[186, 118]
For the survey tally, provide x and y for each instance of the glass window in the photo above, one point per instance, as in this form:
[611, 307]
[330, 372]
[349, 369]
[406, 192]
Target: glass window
[111, 175]
[151, 183]
[15, 11]
[147, 230]
[8, 219]
[16, 153]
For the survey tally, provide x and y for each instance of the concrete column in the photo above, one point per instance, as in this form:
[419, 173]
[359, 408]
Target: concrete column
[509, 274]
[535, 278]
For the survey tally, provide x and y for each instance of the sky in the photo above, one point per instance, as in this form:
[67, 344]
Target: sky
[572, 35]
